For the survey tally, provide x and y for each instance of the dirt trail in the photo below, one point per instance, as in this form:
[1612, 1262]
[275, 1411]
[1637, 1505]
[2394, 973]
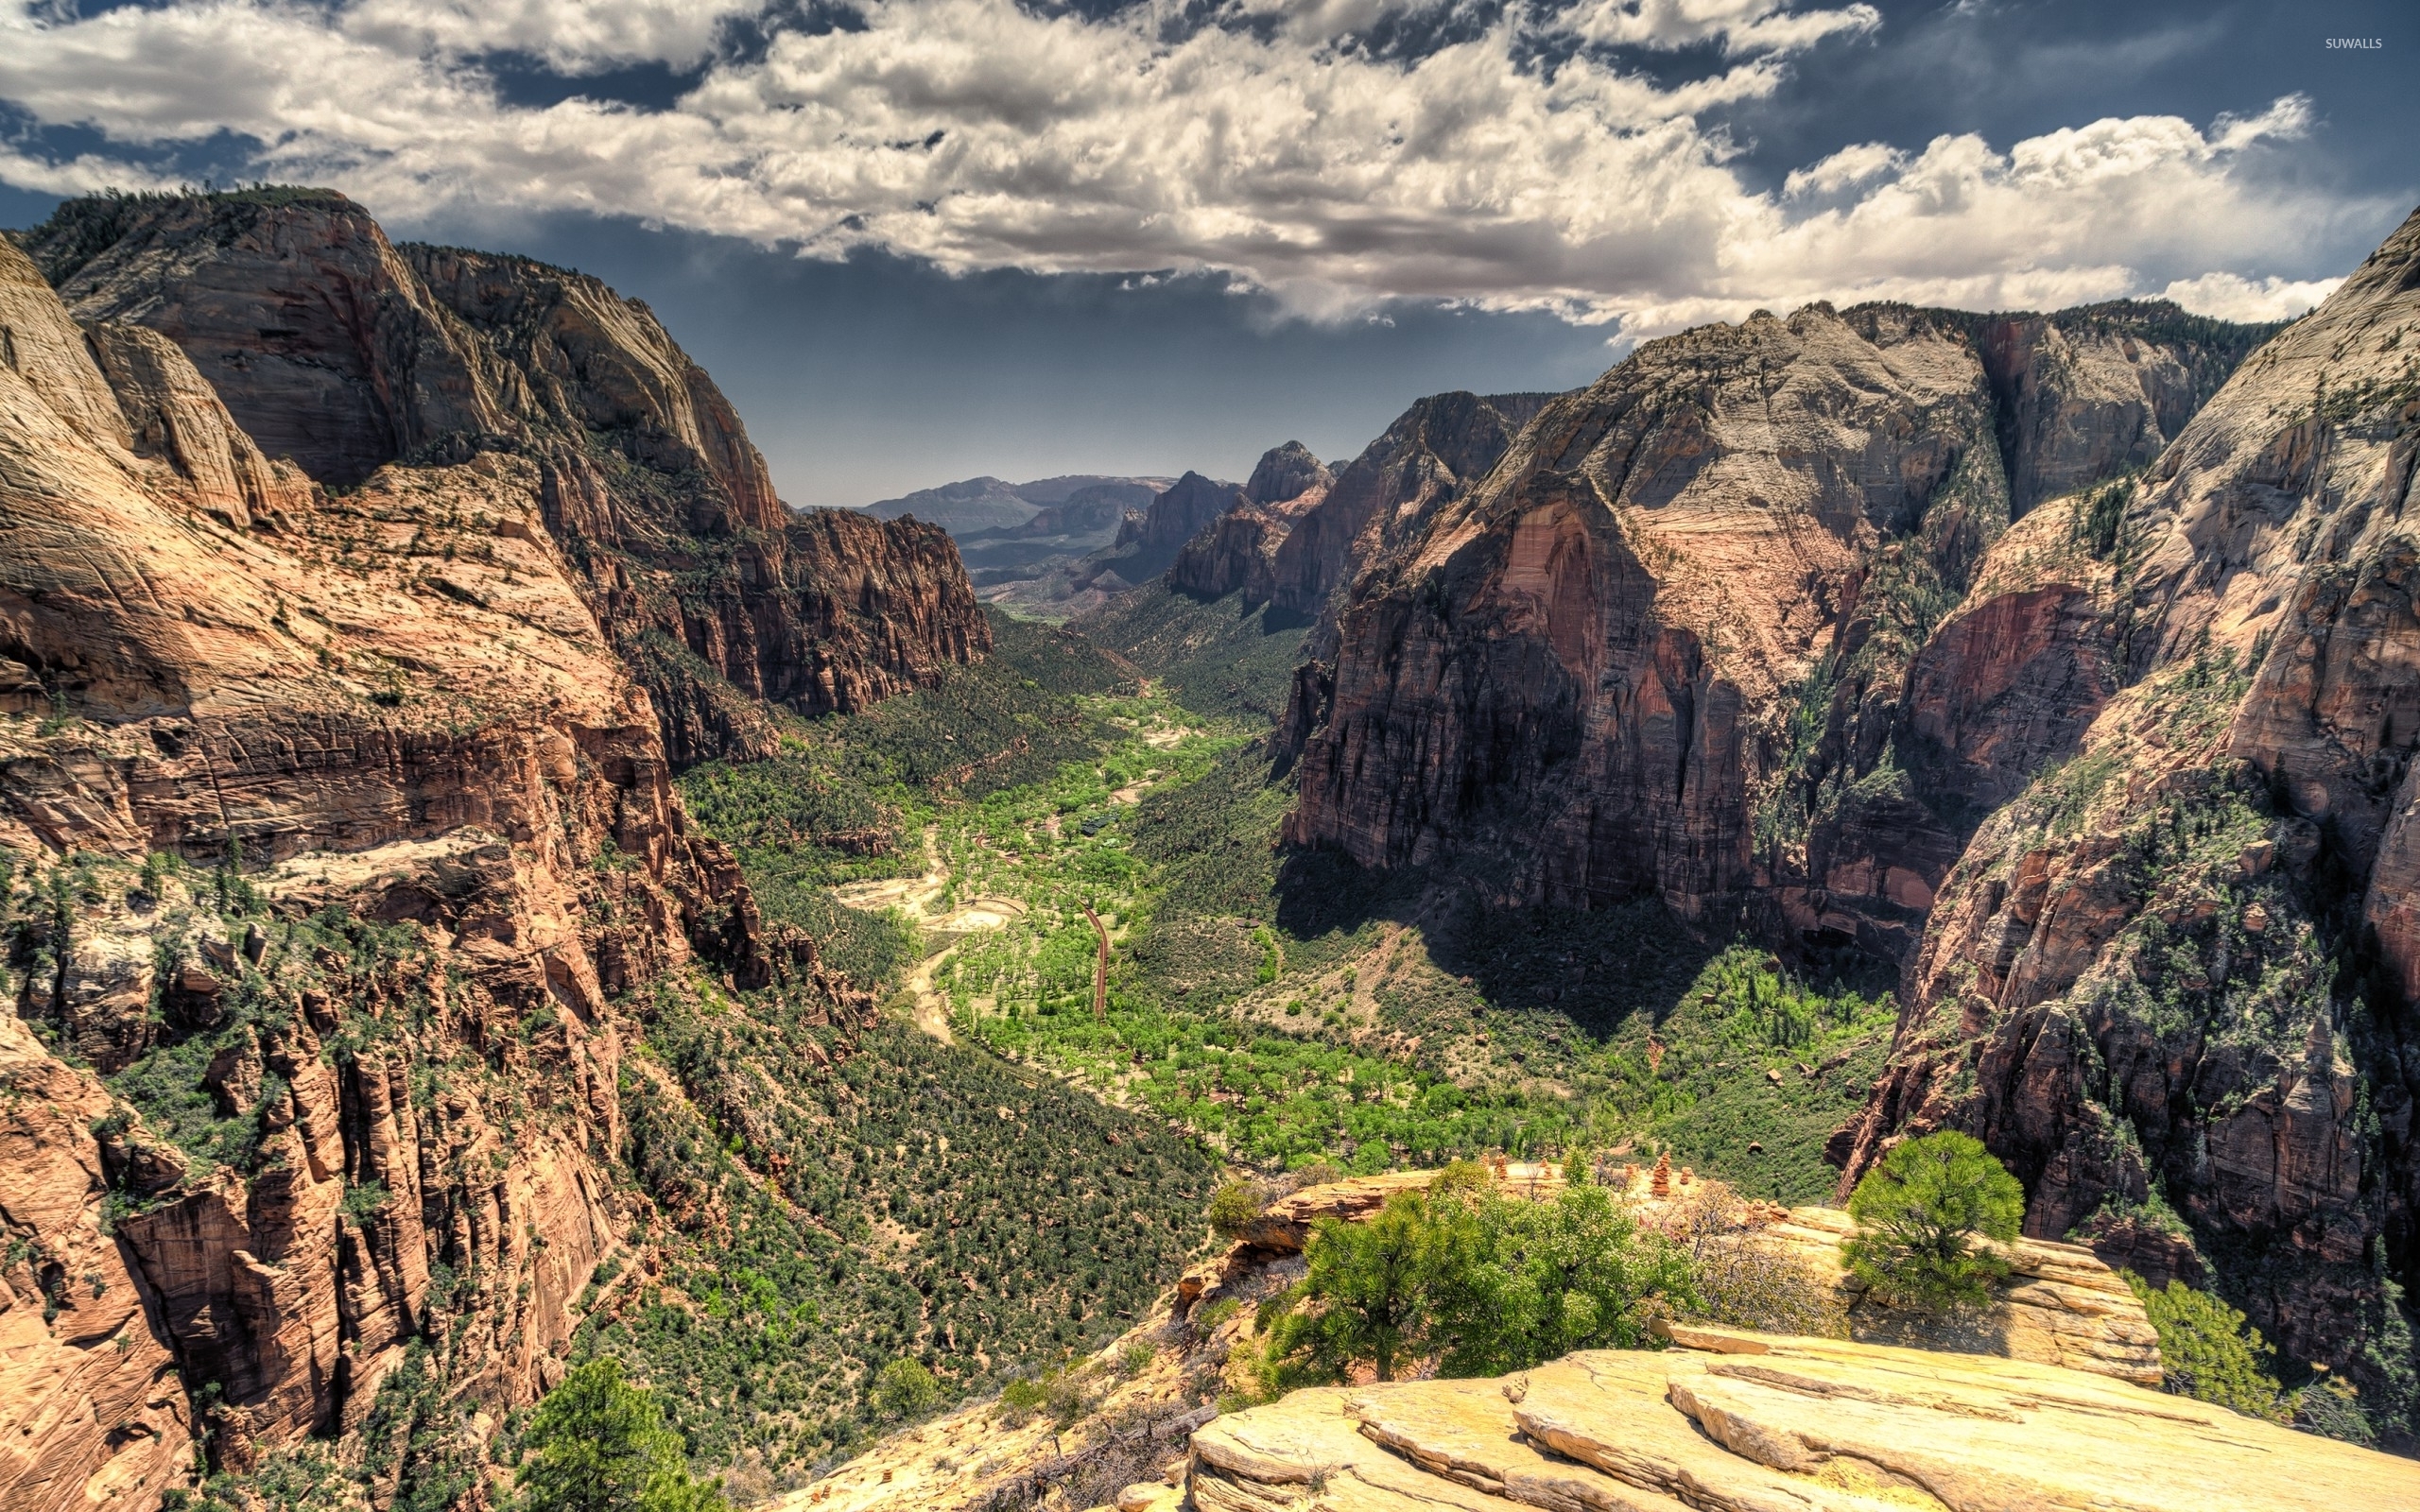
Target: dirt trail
[914, 896]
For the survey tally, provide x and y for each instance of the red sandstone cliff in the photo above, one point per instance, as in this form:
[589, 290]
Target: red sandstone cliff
[344, 353]
[2125, 778]
[1237, 549]
[375, 1068]
[2182, 964]
[1678, 633]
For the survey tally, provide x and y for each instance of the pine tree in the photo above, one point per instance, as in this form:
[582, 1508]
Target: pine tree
[1919, 1215]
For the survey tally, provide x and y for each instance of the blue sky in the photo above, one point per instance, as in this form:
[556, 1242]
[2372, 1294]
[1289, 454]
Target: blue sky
[922, 239]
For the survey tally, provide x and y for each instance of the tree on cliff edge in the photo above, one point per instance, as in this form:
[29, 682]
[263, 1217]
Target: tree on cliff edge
[1919, 1215]
[599, 1444]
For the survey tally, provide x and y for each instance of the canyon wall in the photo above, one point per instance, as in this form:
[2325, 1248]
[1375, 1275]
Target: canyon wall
[343, 352]
[1674, 634]
[2174, 975]
[2066, 661]
[337, 842]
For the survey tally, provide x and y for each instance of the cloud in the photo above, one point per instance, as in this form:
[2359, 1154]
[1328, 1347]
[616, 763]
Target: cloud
[2231, 297]
[1518, 163]
[573, 36]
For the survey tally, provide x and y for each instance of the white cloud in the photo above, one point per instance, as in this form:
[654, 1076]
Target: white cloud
[1741, 26]
[2231, 297]
[1848, 166]
[572, 35]
[1266, 146]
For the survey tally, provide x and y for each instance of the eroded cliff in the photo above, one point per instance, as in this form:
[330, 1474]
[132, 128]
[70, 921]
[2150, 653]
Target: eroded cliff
[337, 839]
[345, 353]
[2170, 981]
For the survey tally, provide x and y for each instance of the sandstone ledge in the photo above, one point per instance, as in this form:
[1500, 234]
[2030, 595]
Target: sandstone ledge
[1770, 1423]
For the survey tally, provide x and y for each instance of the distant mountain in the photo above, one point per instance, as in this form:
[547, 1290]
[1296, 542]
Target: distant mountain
[977, 505]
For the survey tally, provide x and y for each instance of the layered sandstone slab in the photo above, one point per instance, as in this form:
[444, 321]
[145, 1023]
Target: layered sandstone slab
[1776, 1422]
[2059, 1304]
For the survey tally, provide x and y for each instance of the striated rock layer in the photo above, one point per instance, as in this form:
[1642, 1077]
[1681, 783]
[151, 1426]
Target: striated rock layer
[2174, 978]
[1747, 1422]
[332, 827]
[1667, 642]
[344, 353]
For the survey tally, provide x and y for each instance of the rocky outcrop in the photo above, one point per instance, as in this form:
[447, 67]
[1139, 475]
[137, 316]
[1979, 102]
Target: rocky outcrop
[86, 1385]
[2058, 1304]
[344, 353]
[334, 827]
[1682, 639]
[1738, 1422]
[1592, 649]
[2126, 988]
[2086, 394]
[1237, 549]
[1146, 546]
[1440, 445]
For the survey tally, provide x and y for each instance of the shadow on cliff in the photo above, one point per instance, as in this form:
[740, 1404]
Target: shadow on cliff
[1595, 968]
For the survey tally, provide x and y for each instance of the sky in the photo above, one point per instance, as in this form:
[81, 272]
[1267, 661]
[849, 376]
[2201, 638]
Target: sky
[920, 240]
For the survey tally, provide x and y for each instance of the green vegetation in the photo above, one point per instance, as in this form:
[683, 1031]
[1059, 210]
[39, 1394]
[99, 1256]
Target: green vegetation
[1368, 1297]
[847, 796]
[1224, 657]
[1482, 1282]
[1919, 1214]
[1266, 1014]
[904, 1389]
[836, 1209]
[2209, 1352]
[1233, 1208]
[599, 1444]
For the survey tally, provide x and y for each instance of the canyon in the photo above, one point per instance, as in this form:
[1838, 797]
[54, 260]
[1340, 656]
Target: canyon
[381, 625]
[2057, 662]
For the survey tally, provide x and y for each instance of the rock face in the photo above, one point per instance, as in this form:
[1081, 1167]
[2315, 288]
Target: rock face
[1440, 445]
[371, 1060]
[2086, 394]
[1146, 546]
[344, 353]
[1582, 649]
[1841, 628]
[2176, 973]
[1238, 549]
[85, 1379]
[1670, 642]
[1745, 1422]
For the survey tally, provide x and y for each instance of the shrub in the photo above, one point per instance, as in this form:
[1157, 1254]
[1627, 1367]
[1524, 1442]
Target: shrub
[1021, 1398]
[1234, 1207]
[1743, 1281]
[1517, 1284]
[1919, 1214]
[2209, 1352]
[599, 1444]
[1209, 1316]
[2332, 1410]
[904, 1389]
[1488, 1283]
